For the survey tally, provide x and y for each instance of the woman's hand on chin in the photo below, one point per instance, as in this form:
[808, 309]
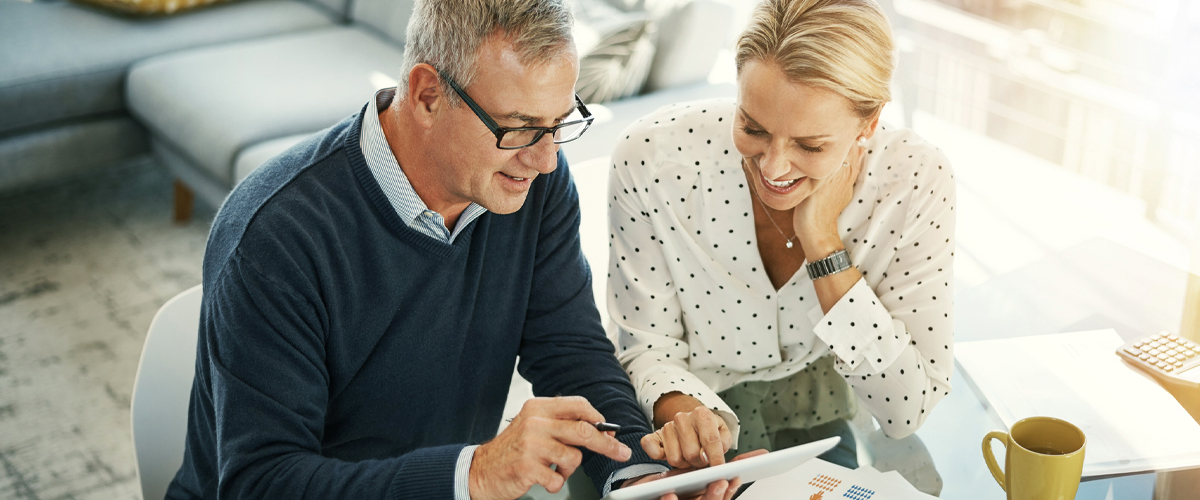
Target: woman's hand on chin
[815, 218]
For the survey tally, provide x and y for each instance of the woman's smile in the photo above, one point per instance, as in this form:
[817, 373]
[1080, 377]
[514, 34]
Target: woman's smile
[783, 186]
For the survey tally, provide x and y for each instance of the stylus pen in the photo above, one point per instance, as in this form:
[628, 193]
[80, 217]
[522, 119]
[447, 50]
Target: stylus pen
[600, 426]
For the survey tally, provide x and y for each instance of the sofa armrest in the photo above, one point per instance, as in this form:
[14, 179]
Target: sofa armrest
[689, 39]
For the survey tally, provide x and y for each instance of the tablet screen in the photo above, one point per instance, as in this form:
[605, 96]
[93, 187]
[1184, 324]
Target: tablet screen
[750, 469]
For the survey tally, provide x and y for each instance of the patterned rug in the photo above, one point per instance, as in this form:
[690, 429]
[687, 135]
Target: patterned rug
[84, 265]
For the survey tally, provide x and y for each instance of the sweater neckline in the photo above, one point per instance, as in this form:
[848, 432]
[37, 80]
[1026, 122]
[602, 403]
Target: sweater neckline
[383, 207]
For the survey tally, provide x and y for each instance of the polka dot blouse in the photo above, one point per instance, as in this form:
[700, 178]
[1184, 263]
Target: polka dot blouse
[696, 313]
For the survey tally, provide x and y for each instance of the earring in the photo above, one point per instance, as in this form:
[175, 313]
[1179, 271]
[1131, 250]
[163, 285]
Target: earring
[862, 141]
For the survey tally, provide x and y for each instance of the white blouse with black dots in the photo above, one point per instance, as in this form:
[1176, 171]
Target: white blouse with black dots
[696, 313]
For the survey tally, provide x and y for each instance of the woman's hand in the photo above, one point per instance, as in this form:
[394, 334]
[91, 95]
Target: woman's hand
[815, 218]
[697, 438]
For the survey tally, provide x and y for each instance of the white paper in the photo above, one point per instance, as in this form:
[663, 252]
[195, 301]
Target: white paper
[821, 480]
[1131, 423]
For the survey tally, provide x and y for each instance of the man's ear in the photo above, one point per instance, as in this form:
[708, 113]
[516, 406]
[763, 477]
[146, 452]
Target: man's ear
[424, 95]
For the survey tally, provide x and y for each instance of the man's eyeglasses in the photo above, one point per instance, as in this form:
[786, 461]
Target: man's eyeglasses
[523, 137]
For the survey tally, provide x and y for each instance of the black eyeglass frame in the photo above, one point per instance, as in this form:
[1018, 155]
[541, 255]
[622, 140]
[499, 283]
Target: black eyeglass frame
[499, 131]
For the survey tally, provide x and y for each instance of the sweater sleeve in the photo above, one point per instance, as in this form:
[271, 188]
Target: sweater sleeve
[564, 350]
[263, 355]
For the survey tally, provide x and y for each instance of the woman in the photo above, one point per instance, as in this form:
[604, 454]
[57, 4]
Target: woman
[730, 341]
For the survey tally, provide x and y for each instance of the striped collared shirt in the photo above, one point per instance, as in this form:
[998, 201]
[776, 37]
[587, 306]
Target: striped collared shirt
[415, 214]
[396, 186]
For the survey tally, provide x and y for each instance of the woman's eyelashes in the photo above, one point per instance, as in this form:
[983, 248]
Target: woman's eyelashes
[753, 132]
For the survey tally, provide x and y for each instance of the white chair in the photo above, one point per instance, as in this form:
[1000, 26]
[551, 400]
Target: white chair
[162, 390]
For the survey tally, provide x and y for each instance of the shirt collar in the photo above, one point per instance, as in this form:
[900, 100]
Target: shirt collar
[395, 184]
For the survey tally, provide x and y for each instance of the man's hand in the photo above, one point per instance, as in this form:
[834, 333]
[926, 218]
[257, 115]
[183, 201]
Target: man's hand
[544, 433]
[696, 438]
[716, 490]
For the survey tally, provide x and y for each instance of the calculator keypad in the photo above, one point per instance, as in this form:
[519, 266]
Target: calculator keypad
[1165, 352]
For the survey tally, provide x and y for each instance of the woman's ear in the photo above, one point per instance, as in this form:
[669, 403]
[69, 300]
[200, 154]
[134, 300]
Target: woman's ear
[872, 124]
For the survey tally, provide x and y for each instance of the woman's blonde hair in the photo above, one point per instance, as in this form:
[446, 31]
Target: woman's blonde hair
[844, 46]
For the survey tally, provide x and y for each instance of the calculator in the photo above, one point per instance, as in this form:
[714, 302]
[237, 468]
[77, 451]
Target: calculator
[1167, 357]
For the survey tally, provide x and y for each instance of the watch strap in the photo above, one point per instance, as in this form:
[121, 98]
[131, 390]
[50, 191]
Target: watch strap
[835, 263]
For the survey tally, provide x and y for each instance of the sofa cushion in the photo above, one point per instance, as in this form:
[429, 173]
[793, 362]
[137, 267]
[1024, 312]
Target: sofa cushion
[388, 17]
[254, 156]
[689, 40]
[210, 103]
[656, 7]
[45, 155]
[151, 6]
[61, 60]
[338, 7]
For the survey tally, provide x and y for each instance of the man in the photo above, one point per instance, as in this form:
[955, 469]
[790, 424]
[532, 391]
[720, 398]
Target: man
[367, 293]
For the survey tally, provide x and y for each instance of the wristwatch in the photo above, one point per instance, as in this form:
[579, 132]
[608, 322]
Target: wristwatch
[835, 263]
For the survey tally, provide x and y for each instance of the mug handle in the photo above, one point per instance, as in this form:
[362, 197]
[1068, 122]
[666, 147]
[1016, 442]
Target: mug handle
[990, 457]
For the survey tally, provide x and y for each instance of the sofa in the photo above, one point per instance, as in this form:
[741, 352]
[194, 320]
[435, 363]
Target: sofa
[63, 68]
[216, 92]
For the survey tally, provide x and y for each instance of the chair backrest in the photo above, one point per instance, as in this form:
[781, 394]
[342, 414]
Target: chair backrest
[162, 390]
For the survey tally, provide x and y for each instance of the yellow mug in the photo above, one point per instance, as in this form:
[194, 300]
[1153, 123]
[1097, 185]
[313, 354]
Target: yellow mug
[1043, 459]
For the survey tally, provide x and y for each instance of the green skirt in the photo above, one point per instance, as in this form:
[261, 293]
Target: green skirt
[809, 405]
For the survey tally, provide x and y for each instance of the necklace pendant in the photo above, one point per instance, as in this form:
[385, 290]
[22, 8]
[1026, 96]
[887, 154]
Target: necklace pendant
[789, 244]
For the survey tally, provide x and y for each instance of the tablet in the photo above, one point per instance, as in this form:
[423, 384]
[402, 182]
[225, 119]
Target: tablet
[750, 469]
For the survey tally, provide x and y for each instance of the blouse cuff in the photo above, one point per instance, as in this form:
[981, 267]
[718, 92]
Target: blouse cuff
[671, 380]
[860, 330]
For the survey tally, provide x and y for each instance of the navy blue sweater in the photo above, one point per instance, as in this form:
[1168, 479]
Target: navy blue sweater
[342, 354]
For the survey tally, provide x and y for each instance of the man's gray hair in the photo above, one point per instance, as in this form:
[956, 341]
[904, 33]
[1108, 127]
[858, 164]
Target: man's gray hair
[447, 35]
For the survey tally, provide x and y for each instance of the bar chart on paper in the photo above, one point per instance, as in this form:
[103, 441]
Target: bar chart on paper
[821, 480]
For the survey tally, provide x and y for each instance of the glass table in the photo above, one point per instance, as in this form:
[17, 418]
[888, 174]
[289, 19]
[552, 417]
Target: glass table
[1095, 285]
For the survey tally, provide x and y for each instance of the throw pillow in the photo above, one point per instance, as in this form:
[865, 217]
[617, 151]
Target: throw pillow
[616, 48]
[150, 7]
